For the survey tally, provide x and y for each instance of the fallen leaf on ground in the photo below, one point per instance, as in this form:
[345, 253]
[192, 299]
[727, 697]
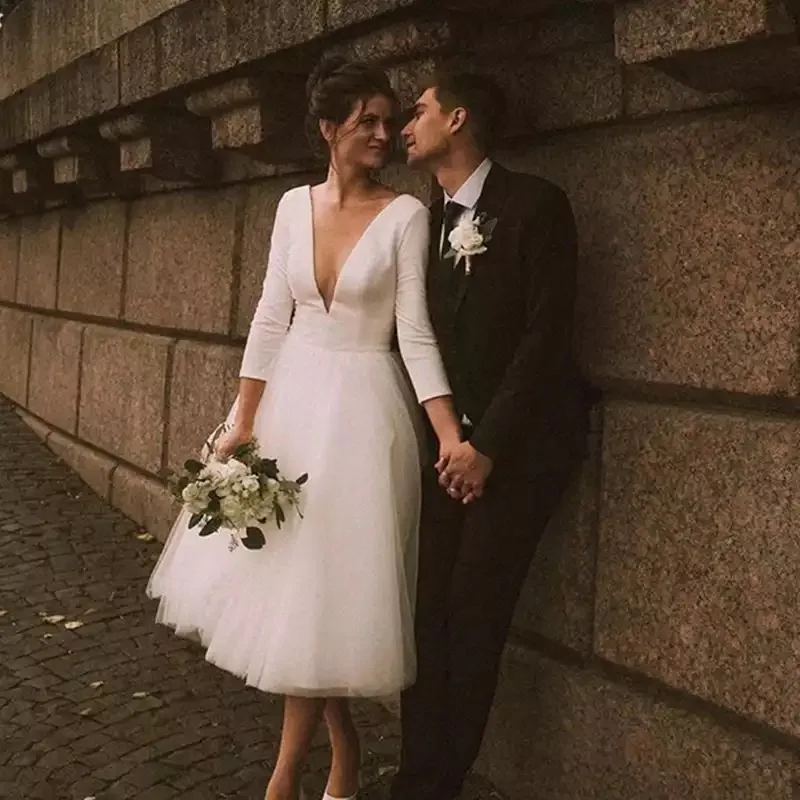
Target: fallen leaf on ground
[144, 536]
[3, 612]
[54, 619]
[47, 636]
[96, 684]
[70, 626]
[85, 712]
[140, 695]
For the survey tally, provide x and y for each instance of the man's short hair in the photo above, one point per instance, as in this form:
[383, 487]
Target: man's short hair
[483, 98]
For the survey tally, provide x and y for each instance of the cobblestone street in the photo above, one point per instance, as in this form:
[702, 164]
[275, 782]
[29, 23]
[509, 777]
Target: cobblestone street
[96, 701]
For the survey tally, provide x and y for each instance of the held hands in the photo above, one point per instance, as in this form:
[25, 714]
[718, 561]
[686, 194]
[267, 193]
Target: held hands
[463, 471]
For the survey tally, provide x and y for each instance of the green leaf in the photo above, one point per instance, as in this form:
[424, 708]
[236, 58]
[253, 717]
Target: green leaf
[195, 520]
[302, 479]
[267, 466]
[212, 526]
[254, 540]
[213, 503]
[280, 517]
[193, 466]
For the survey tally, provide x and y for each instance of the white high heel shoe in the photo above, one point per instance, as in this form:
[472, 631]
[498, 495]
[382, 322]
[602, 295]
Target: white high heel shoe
[327, 796]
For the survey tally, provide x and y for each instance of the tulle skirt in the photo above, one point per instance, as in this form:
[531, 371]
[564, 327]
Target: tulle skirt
[326, 607]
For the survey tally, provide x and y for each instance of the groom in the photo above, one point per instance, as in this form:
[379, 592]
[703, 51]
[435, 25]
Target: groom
[501, 292]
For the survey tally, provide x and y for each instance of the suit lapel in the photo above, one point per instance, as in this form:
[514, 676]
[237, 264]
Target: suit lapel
[438, 294]
[490, 205]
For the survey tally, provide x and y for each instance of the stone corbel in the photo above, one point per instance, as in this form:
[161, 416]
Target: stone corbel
[713, 45]
[170, 145]
[261, 117]
[78, 161]
[26, 182]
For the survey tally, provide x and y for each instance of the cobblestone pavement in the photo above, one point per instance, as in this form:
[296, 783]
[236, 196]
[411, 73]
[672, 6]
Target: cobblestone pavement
[97, 701]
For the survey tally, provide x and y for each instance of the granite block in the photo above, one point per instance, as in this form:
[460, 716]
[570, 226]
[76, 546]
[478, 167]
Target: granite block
[55, 370]
[696, 581]
[342, 13]
[557, 600]
[123, 384]
[180, 260]
[92, 247]
[38, 260]
[647, 30]
[689, 248]
[15, 344]
[650, 91]
[204, 384]
[563, 732]
[9, 258]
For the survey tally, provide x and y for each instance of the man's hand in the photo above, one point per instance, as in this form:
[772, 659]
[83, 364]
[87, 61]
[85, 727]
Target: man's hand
[464, 473]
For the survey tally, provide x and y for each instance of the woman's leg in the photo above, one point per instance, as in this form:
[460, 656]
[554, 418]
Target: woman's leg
[301, 719]
[345, 747]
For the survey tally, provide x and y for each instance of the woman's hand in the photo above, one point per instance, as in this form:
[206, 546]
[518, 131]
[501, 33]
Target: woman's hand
[448, 446]
[227, 443]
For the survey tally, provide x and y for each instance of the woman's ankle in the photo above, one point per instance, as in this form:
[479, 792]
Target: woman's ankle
[345, 768]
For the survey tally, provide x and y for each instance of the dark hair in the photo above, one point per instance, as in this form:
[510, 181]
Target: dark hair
[335, 87]
[483, 98]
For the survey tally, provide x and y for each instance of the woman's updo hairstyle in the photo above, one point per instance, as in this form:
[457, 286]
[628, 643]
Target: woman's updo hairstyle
[334, 88]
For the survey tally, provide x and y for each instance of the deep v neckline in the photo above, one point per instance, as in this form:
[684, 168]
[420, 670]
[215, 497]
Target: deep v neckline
[313, 239]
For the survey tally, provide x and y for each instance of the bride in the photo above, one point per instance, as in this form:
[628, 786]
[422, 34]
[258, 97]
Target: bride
[324, 612]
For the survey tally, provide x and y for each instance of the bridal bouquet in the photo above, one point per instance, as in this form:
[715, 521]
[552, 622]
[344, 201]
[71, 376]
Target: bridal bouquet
[238, 494]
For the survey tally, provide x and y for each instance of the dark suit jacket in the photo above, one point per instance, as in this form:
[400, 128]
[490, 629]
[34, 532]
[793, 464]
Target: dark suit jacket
[506, 330]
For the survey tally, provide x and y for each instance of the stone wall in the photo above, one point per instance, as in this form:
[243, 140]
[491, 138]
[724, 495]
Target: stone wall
[655, 646]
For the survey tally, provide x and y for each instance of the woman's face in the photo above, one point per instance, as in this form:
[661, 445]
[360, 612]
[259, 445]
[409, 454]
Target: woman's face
[364, 139]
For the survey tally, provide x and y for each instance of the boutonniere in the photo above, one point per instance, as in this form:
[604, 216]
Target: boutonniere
[469, 238]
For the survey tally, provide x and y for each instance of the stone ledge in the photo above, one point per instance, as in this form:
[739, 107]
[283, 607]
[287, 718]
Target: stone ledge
[145, 500]
[712, 45]
[64, 32]
[93, 467]
[39, 427]
[199, 39]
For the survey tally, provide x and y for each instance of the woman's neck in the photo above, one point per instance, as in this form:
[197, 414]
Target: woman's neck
[345, 183]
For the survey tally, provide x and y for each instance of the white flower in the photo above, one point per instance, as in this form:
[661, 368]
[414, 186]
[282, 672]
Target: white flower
[247, 486]
[231, 508]
[466, 238]
[195, 496]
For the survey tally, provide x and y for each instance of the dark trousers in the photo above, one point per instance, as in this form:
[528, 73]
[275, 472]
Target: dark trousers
[472, 564]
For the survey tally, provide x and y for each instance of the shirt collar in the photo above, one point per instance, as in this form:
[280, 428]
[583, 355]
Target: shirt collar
[470, 191]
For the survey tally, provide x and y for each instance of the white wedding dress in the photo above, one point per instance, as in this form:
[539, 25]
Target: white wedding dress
[326, 607]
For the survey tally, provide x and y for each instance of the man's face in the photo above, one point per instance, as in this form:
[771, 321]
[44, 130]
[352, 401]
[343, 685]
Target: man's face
[427, 135]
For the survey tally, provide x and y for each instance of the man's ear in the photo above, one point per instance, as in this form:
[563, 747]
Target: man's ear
[458, 120]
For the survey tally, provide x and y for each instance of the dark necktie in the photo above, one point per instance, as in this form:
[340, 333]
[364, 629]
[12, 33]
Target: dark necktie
[452, 212]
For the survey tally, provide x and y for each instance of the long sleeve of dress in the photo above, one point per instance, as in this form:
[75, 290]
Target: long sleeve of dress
[415, 335]
[273, 313]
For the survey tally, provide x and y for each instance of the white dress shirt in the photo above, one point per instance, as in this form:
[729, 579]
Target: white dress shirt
[470, 191]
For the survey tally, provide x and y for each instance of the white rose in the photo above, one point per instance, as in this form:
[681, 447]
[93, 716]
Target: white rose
[236, 469]
[195, 496]
[466, 238]
[232, 510]
[250, 484]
